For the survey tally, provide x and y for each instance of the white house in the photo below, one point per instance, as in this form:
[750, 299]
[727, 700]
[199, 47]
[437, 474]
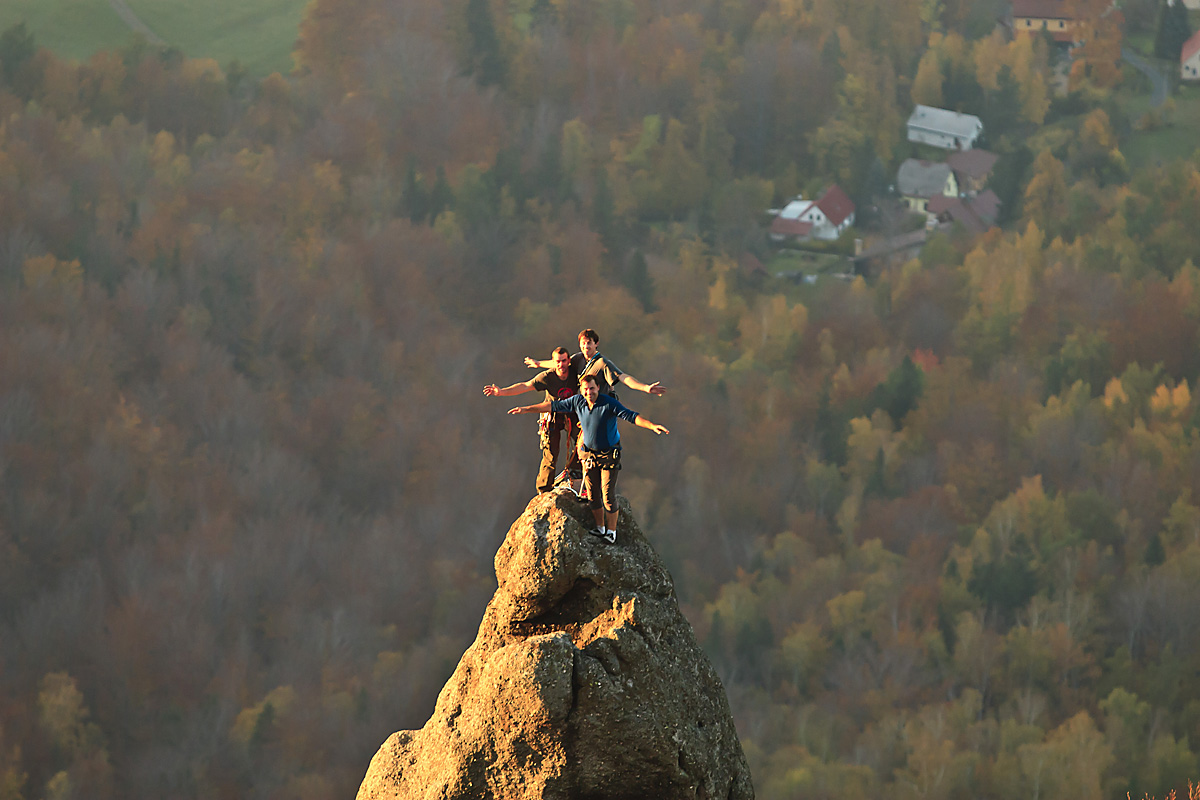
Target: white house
[825, 218]
[942, 128]
[1189, 59]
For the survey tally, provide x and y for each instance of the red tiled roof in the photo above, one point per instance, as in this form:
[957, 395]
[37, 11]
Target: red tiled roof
[955, 210]
[986, 206]
[976, 214]
[974, 163]
[790, 227]
[1041, 9]
[1190, 47]
[835, 205]
[749, 263]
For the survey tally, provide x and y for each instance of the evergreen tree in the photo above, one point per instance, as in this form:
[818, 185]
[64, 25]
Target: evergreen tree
[1173, 31]
[603, 211]
[442, 196]
[900, 392]
[1002, 107]
[17, 48]
[639, 282]
[487, 61]
[414, 199]
[1154, 554]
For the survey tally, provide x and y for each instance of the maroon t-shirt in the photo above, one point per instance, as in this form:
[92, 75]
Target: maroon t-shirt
[557, 388]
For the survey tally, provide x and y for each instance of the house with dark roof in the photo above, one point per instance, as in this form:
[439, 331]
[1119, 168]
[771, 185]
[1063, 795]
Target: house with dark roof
[949, 130]
[972, 168]
[976, 214]
[825, 218]
[1189, 59]
[918, 181]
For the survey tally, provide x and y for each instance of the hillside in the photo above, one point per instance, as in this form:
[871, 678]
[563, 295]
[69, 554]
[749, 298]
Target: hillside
[936, 526]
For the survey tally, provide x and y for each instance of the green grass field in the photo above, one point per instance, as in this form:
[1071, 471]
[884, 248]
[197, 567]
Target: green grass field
[72, 28]
[789, 262]
[1168, 143]
[259, 33]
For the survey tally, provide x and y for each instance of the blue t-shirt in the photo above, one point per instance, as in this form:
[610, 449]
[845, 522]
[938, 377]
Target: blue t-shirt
[599, 423]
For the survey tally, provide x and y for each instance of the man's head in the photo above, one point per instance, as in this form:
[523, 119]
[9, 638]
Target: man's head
[589, 388]
[562, 361]
[589, 342]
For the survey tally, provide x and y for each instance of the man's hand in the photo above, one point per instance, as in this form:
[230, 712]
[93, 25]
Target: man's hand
[491, 390]
[656, 390]
[519, 410]
[532, 363]
[659, 429]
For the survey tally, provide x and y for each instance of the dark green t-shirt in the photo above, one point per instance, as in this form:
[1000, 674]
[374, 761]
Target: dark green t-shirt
[606, 373]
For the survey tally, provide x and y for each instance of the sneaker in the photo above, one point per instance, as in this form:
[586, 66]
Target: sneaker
[610, 536]
[600, 533]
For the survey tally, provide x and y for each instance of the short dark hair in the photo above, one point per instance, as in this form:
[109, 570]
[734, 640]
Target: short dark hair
[562, 350]
[588, 333]
[585, 378]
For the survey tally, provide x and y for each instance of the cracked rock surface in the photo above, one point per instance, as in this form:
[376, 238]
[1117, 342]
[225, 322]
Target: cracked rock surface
[584, 682]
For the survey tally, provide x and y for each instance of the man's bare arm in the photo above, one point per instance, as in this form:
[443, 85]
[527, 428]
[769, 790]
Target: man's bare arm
[649, 388]
[492, 390]
[533, 363]
[540, 408]
[642, 422]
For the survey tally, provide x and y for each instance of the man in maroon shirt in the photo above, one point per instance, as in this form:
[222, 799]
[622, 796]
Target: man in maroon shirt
[558, 382]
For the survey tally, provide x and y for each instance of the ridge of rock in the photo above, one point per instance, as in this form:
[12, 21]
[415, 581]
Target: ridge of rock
[585, 681]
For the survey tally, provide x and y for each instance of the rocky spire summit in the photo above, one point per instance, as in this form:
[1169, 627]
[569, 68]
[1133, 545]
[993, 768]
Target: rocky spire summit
[585, 681]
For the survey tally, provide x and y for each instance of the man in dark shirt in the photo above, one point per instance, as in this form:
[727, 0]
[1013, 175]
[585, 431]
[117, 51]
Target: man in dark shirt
[601, 445]
[558, 383]
[588, 361]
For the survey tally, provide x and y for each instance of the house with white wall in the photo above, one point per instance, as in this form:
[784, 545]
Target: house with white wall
[1189, 59]
[825, 218]
[949, 130]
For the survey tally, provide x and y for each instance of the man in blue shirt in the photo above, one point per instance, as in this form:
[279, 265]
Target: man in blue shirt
[598, 415]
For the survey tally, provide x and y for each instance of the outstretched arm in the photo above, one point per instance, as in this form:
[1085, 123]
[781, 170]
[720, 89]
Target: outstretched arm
[642, 422]
[492, 390]
[540, 408]
[648, 388]
[533, 363]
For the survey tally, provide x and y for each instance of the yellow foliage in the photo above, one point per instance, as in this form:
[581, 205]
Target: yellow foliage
[927, 85]
[1114, 393]
[196, 68]
[718, 299]
[1186, 286]
[48, 271]
[281, 699]
[990, 53]
[846, 609]
[162, 149]
[446, 226]
[1002, 275]
[1171, 402]
[60, 787]
[867, 438]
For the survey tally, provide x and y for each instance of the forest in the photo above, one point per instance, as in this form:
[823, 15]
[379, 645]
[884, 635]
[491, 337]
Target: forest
[937, 526]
